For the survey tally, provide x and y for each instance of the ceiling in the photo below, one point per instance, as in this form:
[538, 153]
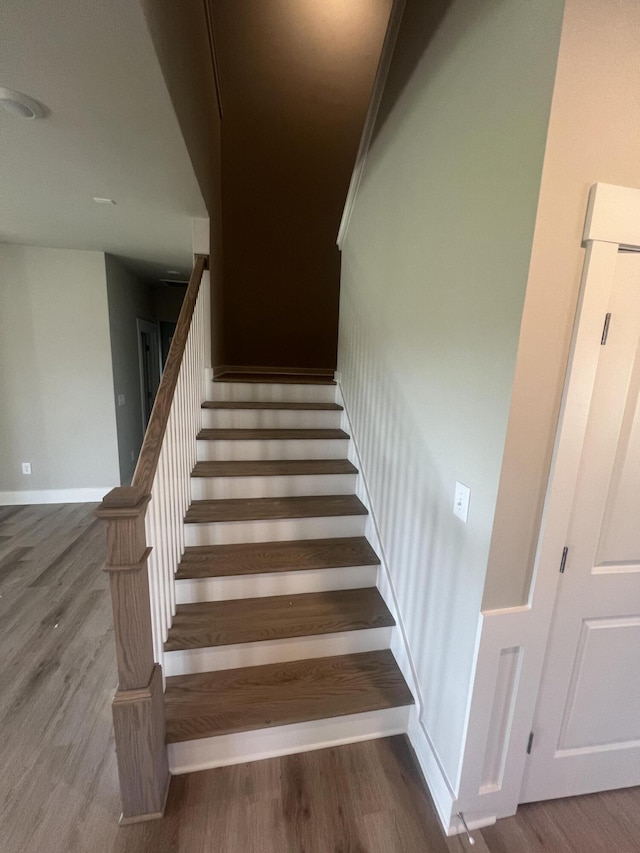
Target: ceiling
[111, 132]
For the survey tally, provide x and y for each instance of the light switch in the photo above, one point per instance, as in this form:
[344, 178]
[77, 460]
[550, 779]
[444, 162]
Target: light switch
[121, 399]
[461, 501]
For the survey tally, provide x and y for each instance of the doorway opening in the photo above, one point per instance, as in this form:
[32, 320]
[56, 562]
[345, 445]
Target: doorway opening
[150, 364]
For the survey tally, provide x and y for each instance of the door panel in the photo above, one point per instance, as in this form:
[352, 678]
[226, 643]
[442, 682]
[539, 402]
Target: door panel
[587, 723]
[620, 539]
[603, 700]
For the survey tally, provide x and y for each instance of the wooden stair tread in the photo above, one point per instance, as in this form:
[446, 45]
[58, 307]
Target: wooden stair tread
[205, 561]
[252, 509]
[250, 620]
[269, 434]
[311, 407]
[273, 468]
[255, 697]
[277, 378]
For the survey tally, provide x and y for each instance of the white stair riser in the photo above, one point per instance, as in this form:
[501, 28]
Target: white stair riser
[271, 392]
[270, 419]
[239, 451]
[274, 583]
[213, 488]
[206, 753]
[274, 530]
[214, 658]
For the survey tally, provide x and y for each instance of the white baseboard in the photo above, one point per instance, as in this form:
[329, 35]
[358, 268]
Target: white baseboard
[206, 753]
[439, 788]
[54, 496]
[443, 797]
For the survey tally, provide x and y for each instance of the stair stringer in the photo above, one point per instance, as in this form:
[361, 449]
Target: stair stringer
[442, 792]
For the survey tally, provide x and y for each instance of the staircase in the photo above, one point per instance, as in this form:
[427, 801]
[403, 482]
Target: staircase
[280, 640]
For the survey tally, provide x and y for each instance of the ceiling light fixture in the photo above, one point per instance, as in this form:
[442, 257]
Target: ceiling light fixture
[173, 272]
[173, 282]
[20, 105]
[99, 200]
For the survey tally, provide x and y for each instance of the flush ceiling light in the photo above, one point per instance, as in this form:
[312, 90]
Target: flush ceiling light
[20, 105]
[99, 200]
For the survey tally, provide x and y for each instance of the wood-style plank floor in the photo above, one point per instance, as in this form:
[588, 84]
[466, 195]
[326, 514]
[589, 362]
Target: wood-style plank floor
[58, 788]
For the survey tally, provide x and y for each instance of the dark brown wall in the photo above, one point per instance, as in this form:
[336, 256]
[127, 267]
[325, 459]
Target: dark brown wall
[295, 76]
[180, 37]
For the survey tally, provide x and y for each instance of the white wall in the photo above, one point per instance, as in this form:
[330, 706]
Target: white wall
[56, 382]
[434, 270]
[128, 299]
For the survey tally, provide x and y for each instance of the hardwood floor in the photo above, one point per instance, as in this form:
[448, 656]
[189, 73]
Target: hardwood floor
[270, 434]
[290, 555]
[231, 404]
[273, 468]
[250, 509]
[58, 788]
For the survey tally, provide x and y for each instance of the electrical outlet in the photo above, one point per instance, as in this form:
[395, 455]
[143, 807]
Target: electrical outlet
[461, 501]
[121, 399]
[26, 467]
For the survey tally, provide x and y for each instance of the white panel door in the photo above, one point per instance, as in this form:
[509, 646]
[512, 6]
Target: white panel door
[587, 722]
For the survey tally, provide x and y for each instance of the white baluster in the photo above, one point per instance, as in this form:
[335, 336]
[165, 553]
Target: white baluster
[171, 489]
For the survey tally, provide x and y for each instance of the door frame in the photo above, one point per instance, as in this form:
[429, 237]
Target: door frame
[512, 642]
[151, 328]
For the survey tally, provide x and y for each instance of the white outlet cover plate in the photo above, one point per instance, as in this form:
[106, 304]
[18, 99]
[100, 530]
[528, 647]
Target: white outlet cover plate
[461, 501]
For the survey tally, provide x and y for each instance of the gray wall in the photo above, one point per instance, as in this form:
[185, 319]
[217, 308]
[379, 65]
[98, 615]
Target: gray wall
[56, 385]
[128, 299]
[434, 272]
[180, 37]
[594, 134]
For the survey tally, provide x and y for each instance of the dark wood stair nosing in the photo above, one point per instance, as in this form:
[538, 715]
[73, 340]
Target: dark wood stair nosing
[248, 405]
[273, 509]
[257, 558]
[253, 620]
[274, 468]
[240, 434]
[256, 697]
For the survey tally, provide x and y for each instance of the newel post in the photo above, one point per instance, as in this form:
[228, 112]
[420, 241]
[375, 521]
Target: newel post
[138, 711]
